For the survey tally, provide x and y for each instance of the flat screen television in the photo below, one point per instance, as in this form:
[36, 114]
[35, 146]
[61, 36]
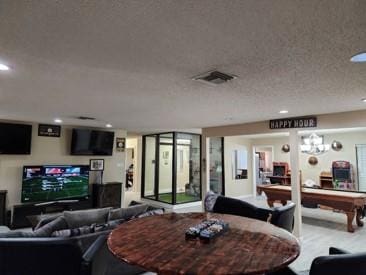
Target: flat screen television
[91, 142]
[55, 182]
[15, 139]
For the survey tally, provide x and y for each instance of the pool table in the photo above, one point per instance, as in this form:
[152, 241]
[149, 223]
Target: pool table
[351, 203]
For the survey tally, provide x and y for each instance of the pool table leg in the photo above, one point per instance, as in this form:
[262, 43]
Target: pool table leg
[350, 217]
[358, 217]
[270, 202]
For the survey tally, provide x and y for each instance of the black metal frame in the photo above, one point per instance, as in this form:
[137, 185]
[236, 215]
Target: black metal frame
[157, 137]
[223, 164]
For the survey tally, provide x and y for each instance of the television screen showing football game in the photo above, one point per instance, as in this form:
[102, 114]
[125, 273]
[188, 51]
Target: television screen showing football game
[57, 182]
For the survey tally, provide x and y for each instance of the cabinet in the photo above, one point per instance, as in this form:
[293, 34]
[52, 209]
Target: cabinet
[22, 211]
[326, 180]
[107, 195]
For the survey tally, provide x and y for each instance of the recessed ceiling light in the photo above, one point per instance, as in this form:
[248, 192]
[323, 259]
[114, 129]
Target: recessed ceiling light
[360, 57]
[57, 120]
[108, 125]
[3, 67]
[283, 112]
[363, 100]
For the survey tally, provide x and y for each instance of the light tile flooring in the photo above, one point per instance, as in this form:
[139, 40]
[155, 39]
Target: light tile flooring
[320, 230]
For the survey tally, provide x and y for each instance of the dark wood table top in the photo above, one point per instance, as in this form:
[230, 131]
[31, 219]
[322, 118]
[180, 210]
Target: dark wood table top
[158, 244]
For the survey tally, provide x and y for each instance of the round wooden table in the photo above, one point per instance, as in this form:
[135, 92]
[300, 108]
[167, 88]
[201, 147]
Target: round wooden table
[158, 244]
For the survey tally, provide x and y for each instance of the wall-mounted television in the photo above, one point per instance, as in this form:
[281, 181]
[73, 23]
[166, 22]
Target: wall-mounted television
[91, 142]
[55, 182]
[15, 139]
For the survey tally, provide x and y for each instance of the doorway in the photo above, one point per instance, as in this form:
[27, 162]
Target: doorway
[262, 165]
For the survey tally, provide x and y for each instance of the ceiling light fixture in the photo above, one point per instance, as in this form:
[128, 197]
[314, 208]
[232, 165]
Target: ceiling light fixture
[108, 125]
[363, 100]
[314, 145]
[283, 112]
[3, 67]
[358, 58]
[57, 120]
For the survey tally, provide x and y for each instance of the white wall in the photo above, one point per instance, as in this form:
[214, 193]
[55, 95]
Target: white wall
[51, 150]
[348, 153]
[237, 187]
[135, 192]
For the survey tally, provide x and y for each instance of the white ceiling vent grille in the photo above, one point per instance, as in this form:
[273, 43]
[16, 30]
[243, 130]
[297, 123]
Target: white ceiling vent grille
[85, 118]
[215, 77]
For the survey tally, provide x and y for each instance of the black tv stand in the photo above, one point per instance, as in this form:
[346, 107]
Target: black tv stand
[22, 211]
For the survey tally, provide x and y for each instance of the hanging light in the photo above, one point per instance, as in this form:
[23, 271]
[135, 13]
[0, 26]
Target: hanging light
[314, 145]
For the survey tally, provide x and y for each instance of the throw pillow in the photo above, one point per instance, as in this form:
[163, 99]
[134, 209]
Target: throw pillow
[76, 219]
[127, 213]
[109, 225]
[210, 201]
[55, 225]
[38, 221]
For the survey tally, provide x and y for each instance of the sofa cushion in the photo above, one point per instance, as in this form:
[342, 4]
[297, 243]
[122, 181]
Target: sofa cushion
[127, 213]
[74, 231]
[225, 205]
[46, 230]
[80, 218]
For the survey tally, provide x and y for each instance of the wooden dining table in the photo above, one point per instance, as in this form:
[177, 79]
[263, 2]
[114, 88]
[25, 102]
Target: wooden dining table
[158, 244]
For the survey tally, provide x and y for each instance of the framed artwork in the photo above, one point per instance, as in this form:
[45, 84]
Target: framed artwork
[47, 130]
[96, 165]
[120, 144]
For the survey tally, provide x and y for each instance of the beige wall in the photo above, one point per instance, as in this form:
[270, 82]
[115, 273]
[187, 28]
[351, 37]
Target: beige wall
[348, 153]
[135, 193]
[165, 168]
[326, 121]
[277, 143]
[50, 150]
[150, 166]
[237, 187]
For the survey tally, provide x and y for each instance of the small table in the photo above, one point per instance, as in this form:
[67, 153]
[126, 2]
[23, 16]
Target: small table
[158, 244]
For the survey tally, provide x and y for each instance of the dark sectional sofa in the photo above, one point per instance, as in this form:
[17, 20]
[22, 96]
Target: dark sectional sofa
[72, 242]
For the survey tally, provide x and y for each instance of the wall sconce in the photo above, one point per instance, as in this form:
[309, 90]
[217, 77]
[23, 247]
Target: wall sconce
[336, 145]
[285, 148]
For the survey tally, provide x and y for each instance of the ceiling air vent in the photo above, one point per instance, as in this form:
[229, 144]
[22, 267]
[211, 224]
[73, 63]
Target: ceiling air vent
[215, 77]
[85, 118]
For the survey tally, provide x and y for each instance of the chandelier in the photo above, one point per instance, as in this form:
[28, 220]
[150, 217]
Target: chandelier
[314, 145]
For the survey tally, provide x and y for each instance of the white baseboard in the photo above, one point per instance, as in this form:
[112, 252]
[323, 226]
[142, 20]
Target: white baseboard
[170, 206]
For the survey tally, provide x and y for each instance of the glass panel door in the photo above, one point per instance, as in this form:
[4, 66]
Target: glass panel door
[188, 169]
[217, 174]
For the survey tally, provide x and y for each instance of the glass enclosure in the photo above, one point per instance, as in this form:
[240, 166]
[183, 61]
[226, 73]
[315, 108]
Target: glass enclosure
[171, 167]
[217, 174]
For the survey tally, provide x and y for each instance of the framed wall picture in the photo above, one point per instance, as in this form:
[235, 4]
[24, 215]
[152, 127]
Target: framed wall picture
[96, 165]
[47, 130]
[120, 144]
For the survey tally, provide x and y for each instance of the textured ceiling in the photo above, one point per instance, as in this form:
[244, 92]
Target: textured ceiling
[130, 63]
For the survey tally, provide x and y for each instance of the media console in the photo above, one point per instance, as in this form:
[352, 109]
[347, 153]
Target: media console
[21, 211]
